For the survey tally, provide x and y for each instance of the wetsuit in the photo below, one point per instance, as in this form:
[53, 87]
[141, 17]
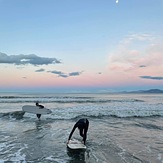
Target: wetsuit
[82, 125]
[40, 106]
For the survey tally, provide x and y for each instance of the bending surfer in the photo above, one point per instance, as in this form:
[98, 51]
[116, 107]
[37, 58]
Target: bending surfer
[40, 107]
[82, 125]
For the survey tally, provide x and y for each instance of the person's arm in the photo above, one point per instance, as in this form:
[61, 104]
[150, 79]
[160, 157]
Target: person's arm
[41, 106]
[72, 132]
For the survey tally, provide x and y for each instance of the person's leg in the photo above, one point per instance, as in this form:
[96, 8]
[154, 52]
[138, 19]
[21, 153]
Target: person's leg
[39, 116]
[81, 132]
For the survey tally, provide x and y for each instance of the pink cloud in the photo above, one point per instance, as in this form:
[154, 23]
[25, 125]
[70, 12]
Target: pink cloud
[130, 60]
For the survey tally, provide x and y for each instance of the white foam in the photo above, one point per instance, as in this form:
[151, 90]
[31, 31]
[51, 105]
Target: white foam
[160, 157]
[51, 158]
[18, 156]
[2, 161]
[117, 109]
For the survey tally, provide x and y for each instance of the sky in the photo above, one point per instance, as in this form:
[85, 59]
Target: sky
[81, 45]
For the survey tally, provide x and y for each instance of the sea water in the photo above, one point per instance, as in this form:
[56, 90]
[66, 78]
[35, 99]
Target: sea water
[123, 128]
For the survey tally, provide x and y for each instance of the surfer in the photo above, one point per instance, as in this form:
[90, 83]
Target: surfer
[40, 107]
[82, 125]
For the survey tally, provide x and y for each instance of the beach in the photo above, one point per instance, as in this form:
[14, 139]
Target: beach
[123, 128]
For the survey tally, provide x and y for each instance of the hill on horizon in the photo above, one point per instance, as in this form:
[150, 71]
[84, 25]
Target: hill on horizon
[147, 91]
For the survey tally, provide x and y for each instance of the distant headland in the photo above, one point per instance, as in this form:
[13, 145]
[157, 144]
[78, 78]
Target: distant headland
[146, 91]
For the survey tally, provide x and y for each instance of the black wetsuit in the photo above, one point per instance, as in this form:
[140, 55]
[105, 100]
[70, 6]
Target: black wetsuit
[40, 106]
[82, 125]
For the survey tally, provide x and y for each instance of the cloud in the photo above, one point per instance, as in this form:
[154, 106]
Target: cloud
[65, 75]
[135, 52]
[142, 66]
[152, 77]
[59, 73]
[22, 59]
[56, 72]
[140, 37]
[40, 70]
[75, 73]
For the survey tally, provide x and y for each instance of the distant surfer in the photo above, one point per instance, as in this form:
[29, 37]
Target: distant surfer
[82, 125]
[40, 107]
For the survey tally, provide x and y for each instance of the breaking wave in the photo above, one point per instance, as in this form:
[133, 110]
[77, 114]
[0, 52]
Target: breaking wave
[61, 99]
[15, 114]
[92, 111]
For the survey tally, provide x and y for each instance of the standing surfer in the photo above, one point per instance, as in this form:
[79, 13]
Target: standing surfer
[40, 107]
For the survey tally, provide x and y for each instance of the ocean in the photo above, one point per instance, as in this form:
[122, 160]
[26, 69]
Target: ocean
[123, 128]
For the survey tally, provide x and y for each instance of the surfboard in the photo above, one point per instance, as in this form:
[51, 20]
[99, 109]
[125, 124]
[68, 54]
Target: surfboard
[76, 144]
[35, 109]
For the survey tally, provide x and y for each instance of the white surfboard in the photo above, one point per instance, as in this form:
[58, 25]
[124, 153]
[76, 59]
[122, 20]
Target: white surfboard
[35, 109]
[76, 144]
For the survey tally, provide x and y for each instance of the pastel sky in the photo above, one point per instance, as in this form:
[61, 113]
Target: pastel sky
[81, 45]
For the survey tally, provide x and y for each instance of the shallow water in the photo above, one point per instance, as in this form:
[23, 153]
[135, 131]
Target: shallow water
[123, 128]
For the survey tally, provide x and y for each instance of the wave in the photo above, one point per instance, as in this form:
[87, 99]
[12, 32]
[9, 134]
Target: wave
[65, 97]
[61, 99]
[16, 114]
[91, 111]
[149, 126]
[20, 115]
